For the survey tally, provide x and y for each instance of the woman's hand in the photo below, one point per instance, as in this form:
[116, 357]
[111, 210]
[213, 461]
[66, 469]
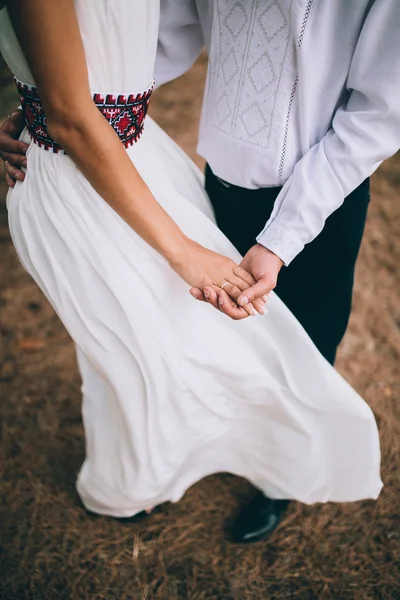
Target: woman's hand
[204, 269]
[13, 151]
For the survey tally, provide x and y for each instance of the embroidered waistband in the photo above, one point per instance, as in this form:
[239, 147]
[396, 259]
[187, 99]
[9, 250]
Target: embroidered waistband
[125, 114]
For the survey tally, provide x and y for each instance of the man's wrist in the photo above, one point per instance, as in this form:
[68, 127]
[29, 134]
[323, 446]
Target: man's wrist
[271, 254]
[281, 241]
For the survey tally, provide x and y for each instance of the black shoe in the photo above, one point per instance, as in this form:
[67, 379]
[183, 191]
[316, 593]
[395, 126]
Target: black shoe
[258, 519]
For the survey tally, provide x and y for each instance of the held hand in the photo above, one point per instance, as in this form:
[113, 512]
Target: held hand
[204, 269]
[13, 151]
[264, 266]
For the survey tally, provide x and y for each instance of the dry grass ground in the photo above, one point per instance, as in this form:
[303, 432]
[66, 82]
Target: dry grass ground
[50, 548]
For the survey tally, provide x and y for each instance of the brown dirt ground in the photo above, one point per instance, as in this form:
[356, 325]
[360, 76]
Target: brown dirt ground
[51, 549]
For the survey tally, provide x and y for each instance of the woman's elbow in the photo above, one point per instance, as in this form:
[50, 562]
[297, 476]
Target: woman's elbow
[62, 125]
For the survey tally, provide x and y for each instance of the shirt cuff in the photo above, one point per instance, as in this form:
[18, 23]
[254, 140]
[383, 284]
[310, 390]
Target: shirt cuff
[281, 241]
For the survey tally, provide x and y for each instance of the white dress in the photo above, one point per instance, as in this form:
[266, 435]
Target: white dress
[172, 389]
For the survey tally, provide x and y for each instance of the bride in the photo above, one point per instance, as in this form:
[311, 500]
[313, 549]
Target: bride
[172, 390]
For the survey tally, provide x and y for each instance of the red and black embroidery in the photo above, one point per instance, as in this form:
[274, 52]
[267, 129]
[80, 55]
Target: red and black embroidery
[125, 114]
[34, 116]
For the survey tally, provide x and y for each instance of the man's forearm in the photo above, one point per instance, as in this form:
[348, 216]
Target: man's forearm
[365, 131]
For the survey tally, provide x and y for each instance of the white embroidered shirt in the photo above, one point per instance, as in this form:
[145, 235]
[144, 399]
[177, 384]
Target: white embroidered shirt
[303, 94]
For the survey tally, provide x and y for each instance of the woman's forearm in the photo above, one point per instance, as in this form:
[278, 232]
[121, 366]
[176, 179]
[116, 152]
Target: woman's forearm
[49, 35]
[97, 151]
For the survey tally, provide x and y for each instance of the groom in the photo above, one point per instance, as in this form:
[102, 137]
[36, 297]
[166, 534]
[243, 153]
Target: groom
[301, 106]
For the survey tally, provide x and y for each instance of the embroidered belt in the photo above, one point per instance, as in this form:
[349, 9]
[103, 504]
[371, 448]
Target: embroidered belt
[125, 114]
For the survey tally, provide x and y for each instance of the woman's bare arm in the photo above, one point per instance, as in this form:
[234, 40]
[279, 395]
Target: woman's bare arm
[49, 34]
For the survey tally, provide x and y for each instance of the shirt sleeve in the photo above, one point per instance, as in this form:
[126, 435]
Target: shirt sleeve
[180, 39]
[364, 132]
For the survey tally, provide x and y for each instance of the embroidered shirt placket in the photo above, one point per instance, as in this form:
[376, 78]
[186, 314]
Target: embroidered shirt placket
[294, 89]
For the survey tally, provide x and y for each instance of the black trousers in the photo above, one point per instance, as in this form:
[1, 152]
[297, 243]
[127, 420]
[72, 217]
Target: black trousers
[317, 285]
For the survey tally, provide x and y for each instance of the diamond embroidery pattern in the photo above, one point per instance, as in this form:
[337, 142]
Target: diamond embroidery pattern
[251, 119]
[247, 60]
[261, 73]
[236, 20]
[223, 108]
[230, 67]
[272, 21]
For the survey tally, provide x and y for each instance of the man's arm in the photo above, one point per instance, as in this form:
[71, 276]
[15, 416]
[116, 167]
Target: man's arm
[180, 39]
[365, 131]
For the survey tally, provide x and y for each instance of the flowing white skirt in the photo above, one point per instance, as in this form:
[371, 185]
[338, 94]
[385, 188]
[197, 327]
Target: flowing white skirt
[172, 389]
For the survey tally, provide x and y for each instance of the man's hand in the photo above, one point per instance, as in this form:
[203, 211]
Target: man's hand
[13, 151]
[264, 266]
